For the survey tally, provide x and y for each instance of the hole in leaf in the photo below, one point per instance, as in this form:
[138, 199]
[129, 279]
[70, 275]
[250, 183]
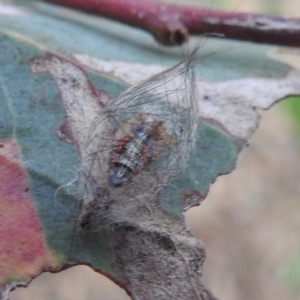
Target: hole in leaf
[77, 283]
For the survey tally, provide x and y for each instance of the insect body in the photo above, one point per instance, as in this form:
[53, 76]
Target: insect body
[132, 152]
[129, 157]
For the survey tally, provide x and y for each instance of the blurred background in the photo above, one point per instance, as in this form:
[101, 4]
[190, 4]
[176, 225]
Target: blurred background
[250, 221]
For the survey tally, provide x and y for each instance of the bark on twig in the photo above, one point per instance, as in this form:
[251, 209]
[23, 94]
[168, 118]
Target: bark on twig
[171, 24]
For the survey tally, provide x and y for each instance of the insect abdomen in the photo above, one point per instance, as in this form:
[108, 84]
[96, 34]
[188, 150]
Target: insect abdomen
[129, 158]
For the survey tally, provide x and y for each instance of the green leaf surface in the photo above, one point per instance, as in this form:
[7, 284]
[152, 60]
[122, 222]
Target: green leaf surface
[33, 109]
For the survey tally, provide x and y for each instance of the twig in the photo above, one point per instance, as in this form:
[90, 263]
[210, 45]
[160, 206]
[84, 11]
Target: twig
[171, 24]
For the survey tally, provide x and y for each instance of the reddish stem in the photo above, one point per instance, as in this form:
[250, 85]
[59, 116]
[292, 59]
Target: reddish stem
[171, 24]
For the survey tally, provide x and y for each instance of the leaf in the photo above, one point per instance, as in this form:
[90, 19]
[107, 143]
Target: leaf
[49, 101]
